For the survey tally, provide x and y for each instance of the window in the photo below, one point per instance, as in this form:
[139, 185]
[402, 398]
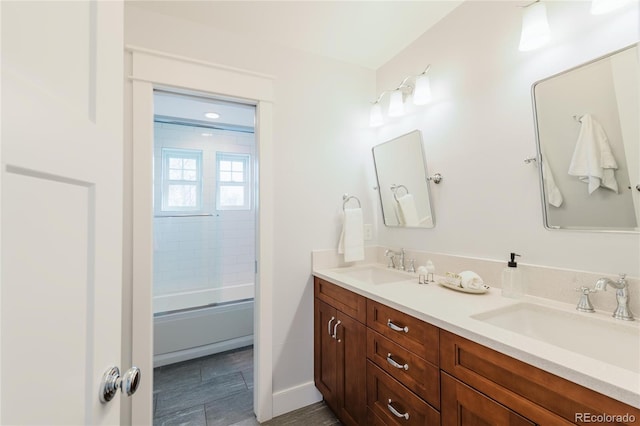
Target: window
[181, 179]
[233, 189]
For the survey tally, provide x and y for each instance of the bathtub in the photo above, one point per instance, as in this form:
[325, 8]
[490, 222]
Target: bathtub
[181, 333]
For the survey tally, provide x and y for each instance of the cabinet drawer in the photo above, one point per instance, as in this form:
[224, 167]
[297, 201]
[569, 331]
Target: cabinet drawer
[420, 376]
[411, 333]
[523, 387]
[462, 405]
[346, 301]
[394, 404]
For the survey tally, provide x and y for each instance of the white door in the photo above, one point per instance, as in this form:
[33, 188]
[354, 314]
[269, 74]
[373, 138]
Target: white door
[61, 208]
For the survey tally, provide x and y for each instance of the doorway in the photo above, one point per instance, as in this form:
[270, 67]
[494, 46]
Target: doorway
[204, 256]
[152, 70]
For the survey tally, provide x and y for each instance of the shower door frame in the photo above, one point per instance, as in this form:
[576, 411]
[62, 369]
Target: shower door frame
[158, 70]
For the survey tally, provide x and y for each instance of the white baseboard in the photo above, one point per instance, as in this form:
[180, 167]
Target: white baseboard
[296, 397]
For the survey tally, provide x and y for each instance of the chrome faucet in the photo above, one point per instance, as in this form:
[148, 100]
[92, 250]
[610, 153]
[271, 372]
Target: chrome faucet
[392, 255]
[622, 311]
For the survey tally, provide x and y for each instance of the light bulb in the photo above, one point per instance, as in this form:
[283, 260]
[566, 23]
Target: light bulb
[535, 27]
[375, 117]
[396, 104]
[422, 92]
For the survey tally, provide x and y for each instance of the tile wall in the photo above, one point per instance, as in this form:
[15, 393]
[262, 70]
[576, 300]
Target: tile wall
[204, 252]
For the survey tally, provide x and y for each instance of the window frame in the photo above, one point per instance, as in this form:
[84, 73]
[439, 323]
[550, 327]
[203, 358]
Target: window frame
[191, 154]
[245, 158]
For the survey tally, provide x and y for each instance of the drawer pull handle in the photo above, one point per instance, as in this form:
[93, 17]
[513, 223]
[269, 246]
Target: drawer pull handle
[396, 412]
[329, 326]
[397, 328]
[393, 362]
[335, 330]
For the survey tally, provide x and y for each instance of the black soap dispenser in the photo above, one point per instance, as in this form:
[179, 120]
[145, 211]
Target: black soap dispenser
[512, 285]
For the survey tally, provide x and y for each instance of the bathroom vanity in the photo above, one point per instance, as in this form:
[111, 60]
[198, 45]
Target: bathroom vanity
[382, 361]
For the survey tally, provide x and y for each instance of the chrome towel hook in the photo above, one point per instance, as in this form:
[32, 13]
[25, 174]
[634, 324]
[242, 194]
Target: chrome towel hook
[436, 178]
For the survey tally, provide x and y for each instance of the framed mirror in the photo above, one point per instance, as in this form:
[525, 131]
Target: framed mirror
[588, 144]
[403, 185]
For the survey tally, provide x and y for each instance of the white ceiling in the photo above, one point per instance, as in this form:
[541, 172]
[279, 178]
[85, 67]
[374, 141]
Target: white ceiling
[191, 109]
[366, 33]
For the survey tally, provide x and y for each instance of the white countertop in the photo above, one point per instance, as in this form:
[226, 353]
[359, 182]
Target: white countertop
[452, 310]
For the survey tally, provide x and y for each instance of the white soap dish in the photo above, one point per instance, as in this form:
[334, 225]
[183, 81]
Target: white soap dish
[485, 288]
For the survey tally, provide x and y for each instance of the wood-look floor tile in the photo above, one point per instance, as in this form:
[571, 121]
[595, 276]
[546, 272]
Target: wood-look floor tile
[199, 394]
[194, 416]
[230, 410]
[219, 364]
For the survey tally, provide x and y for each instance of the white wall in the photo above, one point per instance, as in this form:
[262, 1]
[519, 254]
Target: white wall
[322, 151]
[480, 128]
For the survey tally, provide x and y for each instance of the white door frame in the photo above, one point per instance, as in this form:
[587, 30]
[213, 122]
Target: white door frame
[150, 69]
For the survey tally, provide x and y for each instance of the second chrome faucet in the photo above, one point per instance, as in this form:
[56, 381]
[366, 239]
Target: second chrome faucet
[622, 311]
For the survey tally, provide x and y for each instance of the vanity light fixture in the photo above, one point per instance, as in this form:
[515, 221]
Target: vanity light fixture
[396, 103]
[421, 90]
[212, 115]
[600, 7]
[375, 118]
[535, 27]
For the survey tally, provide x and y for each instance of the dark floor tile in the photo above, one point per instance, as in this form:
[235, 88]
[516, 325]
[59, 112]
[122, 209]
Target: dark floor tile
[317, 414]
[176, 375]
[230, 410]
[223, 363]
[201, 393]
[248, 378]
[194, 416]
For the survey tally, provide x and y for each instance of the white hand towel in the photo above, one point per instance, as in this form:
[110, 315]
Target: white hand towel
[470, 280]
[554, 196]
[408, 210]
[352, 237]
[592, 160]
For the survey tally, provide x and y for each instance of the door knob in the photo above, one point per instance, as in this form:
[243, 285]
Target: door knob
[111, 382]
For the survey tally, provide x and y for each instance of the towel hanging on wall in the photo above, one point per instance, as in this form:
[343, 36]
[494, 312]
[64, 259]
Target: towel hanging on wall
[592, 161]
[351, 242]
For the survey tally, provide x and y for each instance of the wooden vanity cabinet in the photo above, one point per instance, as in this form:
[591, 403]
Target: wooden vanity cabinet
[339, 351]
[399, 370]
[480, 383]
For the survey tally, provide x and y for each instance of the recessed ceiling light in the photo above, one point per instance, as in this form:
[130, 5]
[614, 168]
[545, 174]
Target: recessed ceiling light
[206, 134]
[212, 115]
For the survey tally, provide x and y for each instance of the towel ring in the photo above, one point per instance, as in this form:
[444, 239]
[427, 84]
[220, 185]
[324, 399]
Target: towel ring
[395, 189]
[347, 197]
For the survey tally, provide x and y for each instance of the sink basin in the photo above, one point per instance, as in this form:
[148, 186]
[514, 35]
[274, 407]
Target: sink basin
[610, 341]
[373, 275]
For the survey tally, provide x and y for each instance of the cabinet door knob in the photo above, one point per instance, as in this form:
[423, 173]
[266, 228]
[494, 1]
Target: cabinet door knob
[396, 412]
[396, 327]
[393, 362]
